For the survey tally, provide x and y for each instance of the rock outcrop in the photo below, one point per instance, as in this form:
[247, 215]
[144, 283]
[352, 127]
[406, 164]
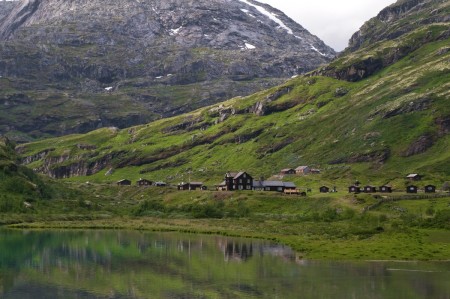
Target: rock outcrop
[409, 24]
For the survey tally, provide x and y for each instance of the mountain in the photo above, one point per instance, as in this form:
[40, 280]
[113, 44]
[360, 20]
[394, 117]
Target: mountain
[394, 33]
[376, 127]
[74, 66]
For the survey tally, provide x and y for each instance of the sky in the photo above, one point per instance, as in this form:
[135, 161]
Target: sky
[334, 21]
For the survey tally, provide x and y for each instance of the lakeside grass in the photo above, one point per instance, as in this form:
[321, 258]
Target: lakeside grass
[328, 226]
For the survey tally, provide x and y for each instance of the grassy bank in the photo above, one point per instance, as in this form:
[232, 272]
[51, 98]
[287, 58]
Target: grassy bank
[329, 226]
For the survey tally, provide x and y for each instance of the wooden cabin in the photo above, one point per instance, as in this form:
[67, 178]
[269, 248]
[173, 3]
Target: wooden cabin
[411, 189]
[160, 184]
[238, 181]
[414, 177]
[302, 170]
[124, 183]
[324, 189]
[354, 189]
[274, 186]
[370, 189]
[287, 171]
[430, 189]
[385, 189]
[144, 183]
[190, 186]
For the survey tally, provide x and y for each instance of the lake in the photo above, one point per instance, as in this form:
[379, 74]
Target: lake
[124, 264]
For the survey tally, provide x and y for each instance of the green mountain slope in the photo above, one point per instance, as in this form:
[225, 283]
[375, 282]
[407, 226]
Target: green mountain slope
[19, 186]
[376, 127]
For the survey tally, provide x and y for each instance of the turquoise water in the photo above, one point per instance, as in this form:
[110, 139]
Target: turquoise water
[122, 264]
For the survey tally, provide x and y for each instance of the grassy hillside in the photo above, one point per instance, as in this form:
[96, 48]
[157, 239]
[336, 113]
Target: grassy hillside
[376, 130]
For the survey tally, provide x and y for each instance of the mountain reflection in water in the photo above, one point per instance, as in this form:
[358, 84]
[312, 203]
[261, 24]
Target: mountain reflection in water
[121, 264]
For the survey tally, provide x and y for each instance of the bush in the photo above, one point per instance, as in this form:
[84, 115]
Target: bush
[440, 220]
[149, 207]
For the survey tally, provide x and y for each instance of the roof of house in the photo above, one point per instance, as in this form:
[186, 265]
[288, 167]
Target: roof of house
[231, 174]
[301, 167]
[287, 169]
[235, 175]
[289, 185]
[143, 180]
[196, 183]
[263, 184]
[123, 181]
[222, 184]
[412, 175]
[324, 187]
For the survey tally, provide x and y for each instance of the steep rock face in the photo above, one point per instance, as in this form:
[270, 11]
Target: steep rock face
[167, 57]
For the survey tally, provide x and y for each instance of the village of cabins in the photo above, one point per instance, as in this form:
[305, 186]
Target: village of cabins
[244, 181]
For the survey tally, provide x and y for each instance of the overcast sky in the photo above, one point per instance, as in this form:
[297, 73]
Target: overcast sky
[334, 21]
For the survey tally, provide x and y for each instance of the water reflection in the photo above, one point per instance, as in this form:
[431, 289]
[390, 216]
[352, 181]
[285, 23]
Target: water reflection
[108, 264]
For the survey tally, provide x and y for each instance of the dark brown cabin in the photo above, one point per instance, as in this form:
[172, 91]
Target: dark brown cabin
[324, 189]
[411, 189]
[430, 189]
[414, 177]
[238, 181]
[370, 189]
[190, 186]
[354, 189]
[287, 171]
[124, 183]
[386, 189]
[144, 183]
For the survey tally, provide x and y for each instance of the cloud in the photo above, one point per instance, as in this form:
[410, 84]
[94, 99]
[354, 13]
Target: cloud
[333, 21]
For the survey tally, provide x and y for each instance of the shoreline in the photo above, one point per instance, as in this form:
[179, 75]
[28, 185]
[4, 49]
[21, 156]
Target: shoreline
[408, 247]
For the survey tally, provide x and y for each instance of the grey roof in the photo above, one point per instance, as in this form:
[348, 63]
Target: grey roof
[301, 167]
[263, 184]
[222, 184]
[231, 174]
[289, 185]
[412, 175]
[196, 183]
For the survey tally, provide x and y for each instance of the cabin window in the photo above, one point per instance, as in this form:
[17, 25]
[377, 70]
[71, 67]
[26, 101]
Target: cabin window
[240, 181]
[249, 187]
[267, 188]
[280, 189]
[241, 187]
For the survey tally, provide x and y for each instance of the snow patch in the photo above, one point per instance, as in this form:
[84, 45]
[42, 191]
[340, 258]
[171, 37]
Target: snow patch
[249, 46]
[108, 88]
[270, 15]
[159, 77]
[315, 49]
[247, 12]
[175, 31]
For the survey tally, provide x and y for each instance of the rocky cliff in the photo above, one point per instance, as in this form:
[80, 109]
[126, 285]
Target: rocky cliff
[150, 58]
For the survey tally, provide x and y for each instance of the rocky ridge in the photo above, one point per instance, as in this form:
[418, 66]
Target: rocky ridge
[407, 24]
[159, 58]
